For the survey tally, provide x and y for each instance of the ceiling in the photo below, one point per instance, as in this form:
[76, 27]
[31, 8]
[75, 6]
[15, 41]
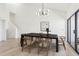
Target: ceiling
[54, 6]
[61, 8]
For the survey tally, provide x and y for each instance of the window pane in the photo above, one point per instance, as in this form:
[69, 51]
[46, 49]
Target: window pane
[72, 31]
[78, 31]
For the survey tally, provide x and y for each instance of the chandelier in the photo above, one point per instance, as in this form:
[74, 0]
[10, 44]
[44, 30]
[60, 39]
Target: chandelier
[43, 11]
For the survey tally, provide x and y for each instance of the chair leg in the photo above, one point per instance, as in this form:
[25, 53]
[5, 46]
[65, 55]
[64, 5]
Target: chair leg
[29, 50]
[38, 50]
[63, 44]
[48, 46]
[30, 46]
[47, 51]
[22, 49]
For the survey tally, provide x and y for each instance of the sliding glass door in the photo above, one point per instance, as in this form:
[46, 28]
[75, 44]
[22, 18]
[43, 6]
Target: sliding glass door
[73, 31]
[77, 32]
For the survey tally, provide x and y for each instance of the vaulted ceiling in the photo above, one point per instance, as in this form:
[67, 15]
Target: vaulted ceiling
[54, 6]
[61, 8]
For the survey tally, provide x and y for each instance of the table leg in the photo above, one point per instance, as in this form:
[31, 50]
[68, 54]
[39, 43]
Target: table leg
[21, 41]
[57, 45]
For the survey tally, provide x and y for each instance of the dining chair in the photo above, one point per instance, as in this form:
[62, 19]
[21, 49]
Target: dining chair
[62, 41]
[44, 44]
[27, 43]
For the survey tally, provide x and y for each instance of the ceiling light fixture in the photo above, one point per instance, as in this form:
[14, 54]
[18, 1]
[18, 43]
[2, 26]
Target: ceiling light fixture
[43, 11]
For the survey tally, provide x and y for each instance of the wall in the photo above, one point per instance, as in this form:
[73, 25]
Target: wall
[74, 7]
[4, 17]
[12, 31]
[2, 30]
[27, 20]
[4, 11]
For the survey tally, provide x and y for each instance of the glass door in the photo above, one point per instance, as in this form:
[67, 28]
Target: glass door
[73, 31]
[68, 30]
[77, 41]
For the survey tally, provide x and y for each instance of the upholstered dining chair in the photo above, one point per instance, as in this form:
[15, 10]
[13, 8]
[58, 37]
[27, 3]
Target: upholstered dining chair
[62, 41]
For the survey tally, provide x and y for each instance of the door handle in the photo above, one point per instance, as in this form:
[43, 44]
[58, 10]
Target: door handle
[74, 31]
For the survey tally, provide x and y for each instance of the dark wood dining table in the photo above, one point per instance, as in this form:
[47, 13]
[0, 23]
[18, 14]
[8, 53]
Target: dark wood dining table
[40, 35]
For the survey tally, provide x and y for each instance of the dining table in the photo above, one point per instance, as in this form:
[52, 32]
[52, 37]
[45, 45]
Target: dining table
[40, 35]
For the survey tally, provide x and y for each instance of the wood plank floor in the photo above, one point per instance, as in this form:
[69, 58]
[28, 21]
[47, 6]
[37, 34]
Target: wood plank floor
[12, 47]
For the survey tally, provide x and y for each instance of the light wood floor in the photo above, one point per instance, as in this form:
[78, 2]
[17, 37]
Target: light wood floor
[12, 47]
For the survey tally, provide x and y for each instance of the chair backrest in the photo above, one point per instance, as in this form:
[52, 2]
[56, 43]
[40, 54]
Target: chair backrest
[62, 37]
[62, 41]
[27, 39]
[45, 42]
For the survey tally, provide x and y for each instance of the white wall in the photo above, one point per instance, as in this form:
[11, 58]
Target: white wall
[28, 21]
[4, 17]
[4, 11]
[2, 30]
[74, 7]
[12, 31]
